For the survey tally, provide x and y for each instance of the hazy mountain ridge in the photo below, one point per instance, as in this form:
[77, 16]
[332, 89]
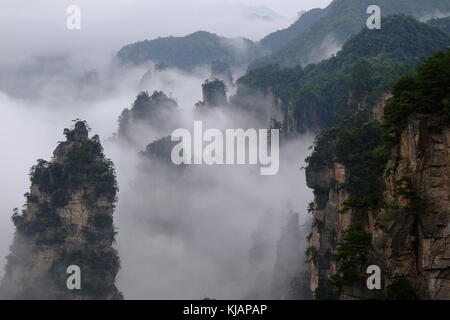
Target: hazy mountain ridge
[370, 61]
[316, 35]
[442, 23]
[342, 19]
[178, 219]
[278, 39]
[197, 49]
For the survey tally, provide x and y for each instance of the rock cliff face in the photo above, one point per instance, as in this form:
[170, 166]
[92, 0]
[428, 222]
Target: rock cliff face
[326, 224]
[399, 218]
[67, 220]
[410, 232]
[214, 94]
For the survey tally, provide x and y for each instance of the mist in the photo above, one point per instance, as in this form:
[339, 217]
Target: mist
[188, 236]
[326, 49]
[189, 233]
[434, 15]
[180, 237]
[39, 27]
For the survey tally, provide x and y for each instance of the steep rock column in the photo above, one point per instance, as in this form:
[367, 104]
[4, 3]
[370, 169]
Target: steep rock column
[409, 229]
[214, 94]
[412, 233]
[67, 220]
[327, 224]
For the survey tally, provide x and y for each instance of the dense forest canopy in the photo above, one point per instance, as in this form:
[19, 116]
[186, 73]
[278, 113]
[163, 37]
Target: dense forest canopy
[368, 65]
[186, 53]
[343, 18]
[442, 23]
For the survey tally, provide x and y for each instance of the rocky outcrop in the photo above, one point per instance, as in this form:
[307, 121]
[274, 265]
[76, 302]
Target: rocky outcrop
[378, 110]
[326, 224]
[408, 231]
[149, 114]
[412, 235]
[382, 195]
[66, 221]
[214, 94]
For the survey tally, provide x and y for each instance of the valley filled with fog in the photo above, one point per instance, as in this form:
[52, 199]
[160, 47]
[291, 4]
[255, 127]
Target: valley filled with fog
[216, 232]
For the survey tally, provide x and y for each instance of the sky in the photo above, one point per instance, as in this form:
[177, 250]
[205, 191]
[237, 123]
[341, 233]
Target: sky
[284, 7]
[39, 26]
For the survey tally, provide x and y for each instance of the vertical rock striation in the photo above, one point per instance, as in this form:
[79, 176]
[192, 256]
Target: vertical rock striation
[382, 195]
[67, 220]
[411, 235]
[410, 231]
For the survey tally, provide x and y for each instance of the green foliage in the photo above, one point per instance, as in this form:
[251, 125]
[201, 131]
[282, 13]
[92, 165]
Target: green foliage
[214, 85]
[338, 22]
[98, 268]
[360, 148]
[214, 92]
[102, 229]
[369, 64]
[423, 92]
[323, 153]
[153, 110]
[282, 81]
[160, 152]
[102, 221]
[405, 189]
[311, 207]
[278, 39]
[45, 226]
[146, 106]
[358, 144]
[362, 145]
[443, 23]
[85, 165]
[311, 254]
[199, 48]
[361, 79]
[351, 255]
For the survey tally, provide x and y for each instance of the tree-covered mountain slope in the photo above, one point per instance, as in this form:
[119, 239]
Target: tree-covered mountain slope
[382, 194]
[365, 69]
[197, 49]
[278, 39]
[156, 110]
[343, 18]
[443, 23]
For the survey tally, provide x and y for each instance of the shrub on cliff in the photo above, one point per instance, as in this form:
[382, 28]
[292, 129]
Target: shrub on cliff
[423, 92]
